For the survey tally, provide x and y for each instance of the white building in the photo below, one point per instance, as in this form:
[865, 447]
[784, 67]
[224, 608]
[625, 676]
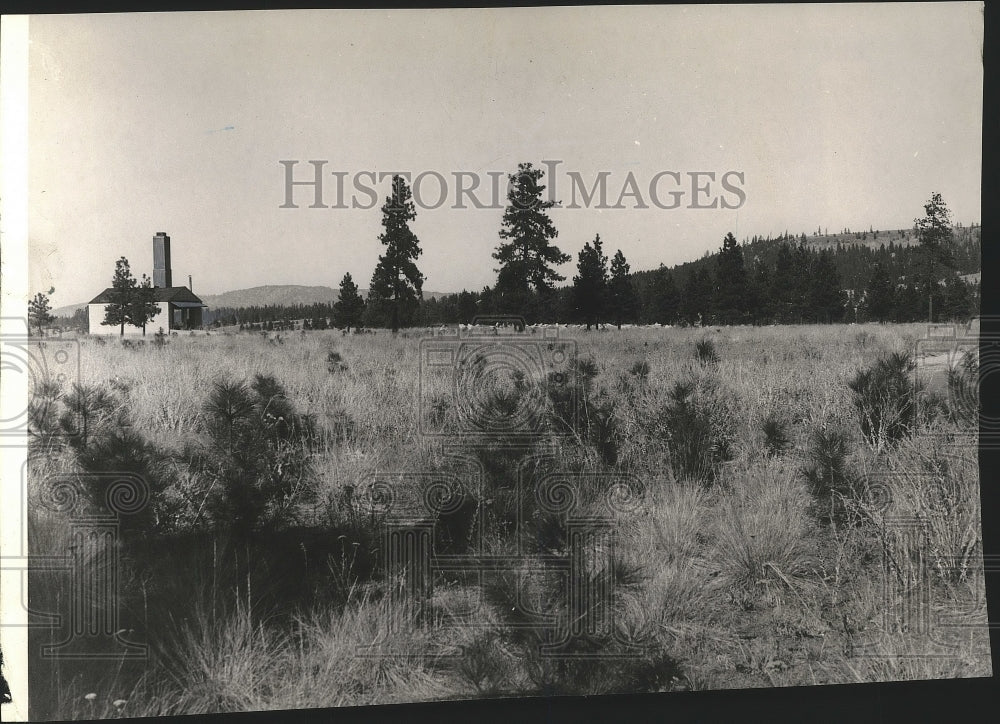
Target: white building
[179, 308]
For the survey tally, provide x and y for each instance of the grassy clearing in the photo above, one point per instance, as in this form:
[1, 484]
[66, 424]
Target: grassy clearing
[768, 469]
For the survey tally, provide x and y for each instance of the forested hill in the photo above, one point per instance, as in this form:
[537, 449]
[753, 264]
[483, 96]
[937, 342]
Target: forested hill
[846, 276]
[854, 254]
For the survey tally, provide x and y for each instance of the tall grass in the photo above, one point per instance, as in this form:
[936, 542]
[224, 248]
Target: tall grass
[757, 579]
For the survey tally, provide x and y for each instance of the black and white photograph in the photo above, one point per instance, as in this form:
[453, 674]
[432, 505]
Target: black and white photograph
[367, 357]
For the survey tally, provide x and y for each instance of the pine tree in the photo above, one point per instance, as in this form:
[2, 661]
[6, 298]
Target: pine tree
[908, 307]
[143, 306]
[591, 282]
[783, 284]
[38, 312]
[350, 305]
[526, 257]
[759, 303]
[397, 284]
[879, 295]
[957, 300]
[826, 299]
[623, 300]
[937, 246]
[730, 283]
[696, 301]
[801, 280]
[466, 306]
[665, 298]
[123, 290]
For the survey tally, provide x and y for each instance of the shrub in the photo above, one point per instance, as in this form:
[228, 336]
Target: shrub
[885, 397]
[599, 425]
[97, 428]
[484, 664]
[776, 436]
[335, 363]
[256, 463]
[705, 351]
[569, 394]
[963, 390]
[529, 604]
[827, 471]
[122, 450]
[640, 370]
[43, 417]
[89, 410]
[602, 429]
[697, 446]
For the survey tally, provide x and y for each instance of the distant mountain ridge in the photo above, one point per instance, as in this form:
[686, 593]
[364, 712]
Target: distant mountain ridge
[267, 295]
[272, 295]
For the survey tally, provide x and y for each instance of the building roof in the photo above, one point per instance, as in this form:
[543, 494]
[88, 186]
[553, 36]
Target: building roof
[160, 294]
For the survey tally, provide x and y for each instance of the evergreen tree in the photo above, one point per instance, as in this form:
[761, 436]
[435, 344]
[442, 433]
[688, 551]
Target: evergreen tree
[730, 283]
[397, 284]
[937, 246]
[696, 301]
[143, 307]
[704, 295]
[526, 255]
[783, 284]
[664, 298]
[957, 300]
[802, 269]
[759, 305]
[826, 299]
[486, 304]
[350, 306]
[39, 312]
[624, 301]
[590, 283]
[123, 286]
[908, 306]
[879, 295]
[466, 306]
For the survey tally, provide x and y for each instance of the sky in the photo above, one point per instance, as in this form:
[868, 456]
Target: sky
[835, 115]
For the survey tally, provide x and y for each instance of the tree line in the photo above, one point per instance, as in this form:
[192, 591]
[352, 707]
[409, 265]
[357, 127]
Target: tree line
[761, 281]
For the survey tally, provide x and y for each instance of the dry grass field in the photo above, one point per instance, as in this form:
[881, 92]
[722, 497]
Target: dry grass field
[761, 477]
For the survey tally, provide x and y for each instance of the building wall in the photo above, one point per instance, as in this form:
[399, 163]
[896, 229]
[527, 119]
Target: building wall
[95, 314]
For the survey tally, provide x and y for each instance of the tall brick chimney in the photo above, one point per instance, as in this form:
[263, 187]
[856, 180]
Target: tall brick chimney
[161, 260]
